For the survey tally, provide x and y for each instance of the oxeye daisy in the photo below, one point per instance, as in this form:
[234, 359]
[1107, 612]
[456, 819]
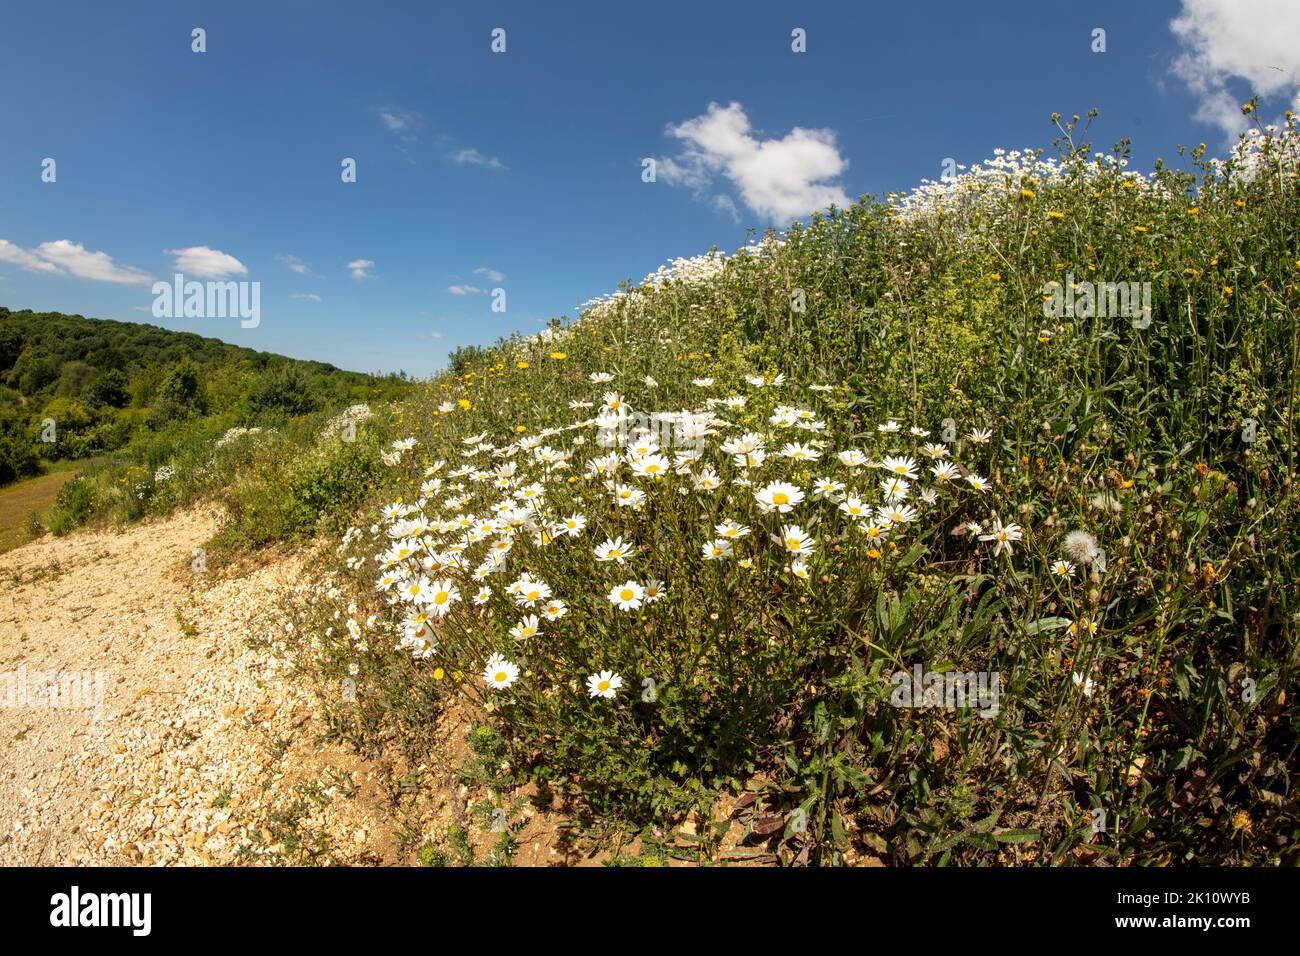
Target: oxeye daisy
[707, 480]
[897, 513]
[572, 525]
[616, 550]
[978, 483]
[935, 451]
[1063, 569]
[1083, 624]
[796, 541]
[731, 529]
[874, 530]
[626, 496]
[651, 466]
[441, 596]
[499, 672]
[895, 489]
[531, 592]
[798, 452]
[414, 589]
[799, 569]
[853, 458]
[854, 507]
[627, 596]
[655, 591]
[778, 496]
[605, 684]
[1084, 683]
[903, 467]
[554, 610]
[530, 626]
[482, 595]
[717, 549]
[1003, 535]
[944, 471]
[980, 435]
[889, 427]
[827, 487]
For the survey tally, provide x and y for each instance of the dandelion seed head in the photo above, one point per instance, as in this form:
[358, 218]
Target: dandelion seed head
[1081, 546]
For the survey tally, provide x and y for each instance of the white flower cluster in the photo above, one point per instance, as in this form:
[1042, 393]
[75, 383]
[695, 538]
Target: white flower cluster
[234, 434]
[352, 415]
[1271, 151]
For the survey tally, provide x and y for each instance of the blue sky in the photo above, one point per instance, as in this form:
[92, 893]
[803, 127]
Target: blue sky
[523, 170]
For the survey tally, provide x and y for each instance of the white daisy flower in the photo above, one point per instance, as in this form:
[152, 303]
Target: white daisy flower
[530, 626]
[1003, 535]
[616, 550]
[778, 496]
[499, 672]
[605, 684]
[627, 596]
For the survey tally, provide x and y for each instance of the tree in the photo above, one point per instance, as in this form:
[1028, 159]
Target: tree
[11, 345]
[17, 454]
[109, 388]
[179, 396]
[34, 369]
[286, 389]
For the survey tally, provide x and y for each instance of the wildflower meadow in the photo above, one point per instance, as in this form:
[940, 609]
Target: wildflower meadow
[864, 537]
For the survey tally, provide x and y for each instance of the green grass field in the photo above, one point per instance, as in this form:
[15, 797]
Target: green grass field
[20, 500]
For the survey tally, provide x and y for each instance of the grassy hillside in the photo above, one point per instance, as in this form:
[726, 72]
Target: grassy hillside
[158, 417]
[105, 384]
[691, 544]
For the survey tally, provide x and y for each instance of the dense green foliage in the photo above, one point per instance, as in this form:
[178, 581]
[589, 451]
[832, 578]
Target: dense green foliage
[72, 387]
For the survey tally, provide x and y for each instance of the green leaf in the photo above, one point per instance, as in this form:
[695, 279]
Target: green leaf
[911, 557]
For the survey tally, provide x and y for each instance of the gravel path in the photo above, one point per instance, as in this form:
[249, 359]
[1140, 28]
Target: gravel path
[167, 736]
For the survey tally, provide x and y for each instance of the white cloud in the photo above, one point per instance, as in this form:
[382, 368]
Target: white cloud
[21, 257]
[472, 157]
[492, 275]
[779, 179]
[296, 264]
[403, 123]
[64, 257]
[1254, 42]
[359, 267]
[206, 263]
[727, 204]
[464, 289]
[435, 334]
[305, 296]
